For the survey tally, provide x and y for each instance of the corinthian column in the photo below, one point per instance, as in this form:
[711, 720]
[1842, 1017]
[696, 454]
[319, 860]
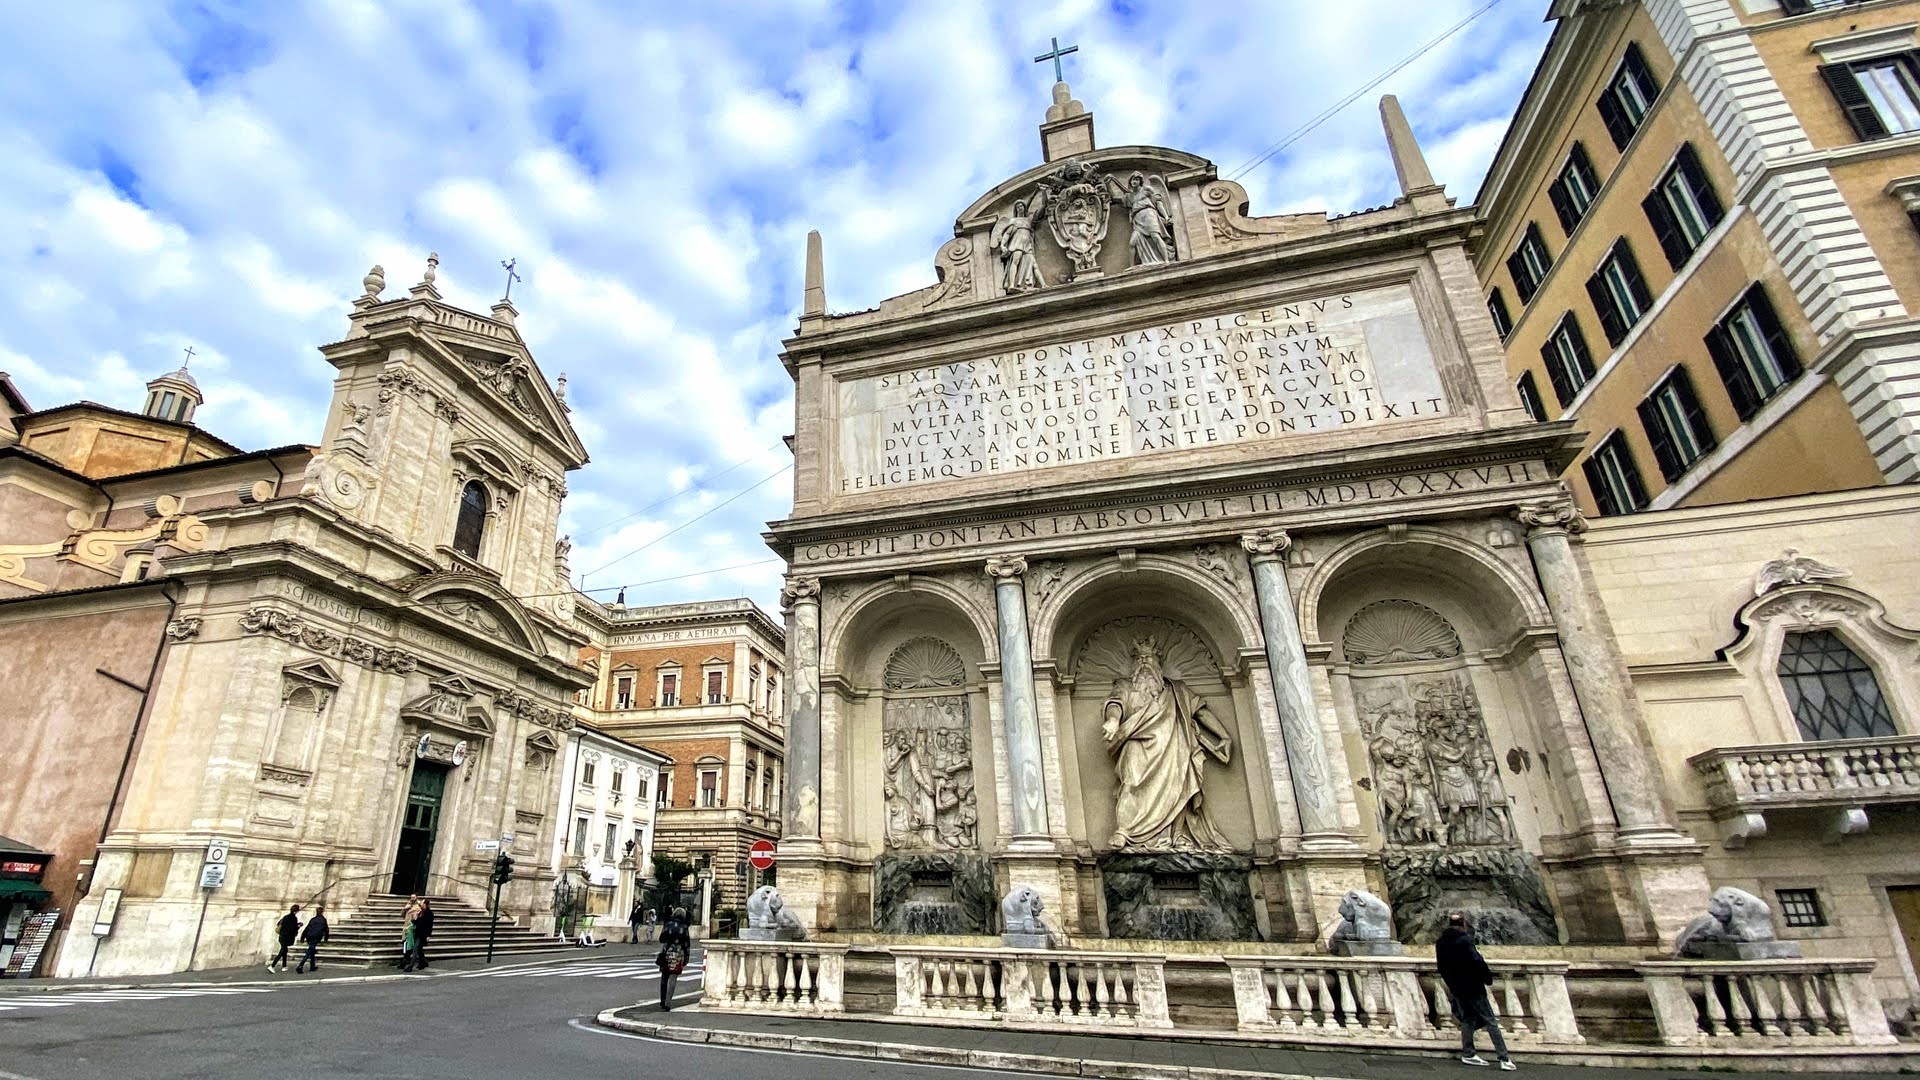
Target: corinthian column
[1598, 672]
[1021, 718]
[800, 599]
[1292, 685]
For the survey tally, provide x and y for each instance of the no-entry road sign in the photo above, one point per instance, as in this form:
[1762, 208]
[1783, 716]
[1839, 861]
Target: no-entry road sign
[761, 854]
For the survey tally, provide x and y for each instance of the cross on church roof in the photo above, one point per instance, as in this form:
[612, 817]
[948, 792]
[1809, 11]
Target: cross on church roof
[189, 358]
[1055, 55]
[511, 276]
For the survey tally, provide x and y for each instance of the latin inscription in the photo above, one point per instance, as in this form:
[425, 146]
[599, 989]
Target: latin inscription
[1345, 360]
[1247, 508]
[655, 637]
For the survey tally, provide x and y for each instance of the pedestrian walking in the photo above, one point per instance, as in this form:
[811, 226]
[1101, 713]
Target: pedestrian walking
[1467, 976]
[653, 923]
[422, 932]
[674, 943]
[634, 918]
[311, 937]
[289, 928]
[406, 933]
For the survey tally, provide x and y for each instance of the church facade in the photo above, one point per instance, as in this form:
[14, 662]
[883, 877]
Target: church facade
[1194, 568]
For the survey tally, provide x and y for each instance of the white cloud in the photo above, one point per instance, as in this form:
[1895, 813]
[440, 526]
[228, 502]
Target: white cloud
[222, 177]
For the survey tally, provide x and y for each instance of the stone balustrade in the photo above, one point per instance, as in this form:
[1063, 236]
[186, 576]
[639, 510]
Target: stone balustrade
[775, 976]
[1392, 997]
[1743, 779]
[1112, 990]
[1729, 1003]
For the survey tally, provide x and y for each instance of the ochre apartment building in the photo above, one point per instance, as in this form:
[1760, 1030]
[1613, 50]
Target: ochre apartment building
[1699, 246]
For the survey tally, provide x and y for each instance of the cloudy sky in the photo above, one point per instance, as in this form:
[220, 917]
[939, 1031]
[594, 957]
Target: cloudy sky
[220, 175]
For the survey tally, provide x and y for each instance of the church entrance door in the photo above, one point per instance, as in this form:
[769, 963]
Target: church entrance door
[412, 861]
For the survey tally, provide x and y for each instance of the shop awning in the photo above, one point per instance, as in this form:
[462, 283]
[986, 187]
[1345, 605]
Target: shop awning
[29, 891]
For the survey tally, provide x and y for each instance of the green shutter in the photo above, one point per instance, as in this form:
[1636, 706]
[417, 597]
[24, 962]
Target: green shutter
[1853, 101]
[1703, 192]
[1610, 321]
[1655, 426]
[1733, 374]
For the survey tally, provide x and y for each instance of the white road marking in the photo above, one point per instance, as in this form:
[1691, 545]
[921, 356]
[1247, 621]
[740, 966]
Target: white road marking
[114, 997]
[595, 1029]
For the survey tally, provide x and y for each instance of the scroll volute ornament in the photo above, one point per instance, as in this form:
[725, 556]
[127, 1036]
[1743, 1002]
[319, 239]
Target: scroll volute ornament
[1551, 514]
[799, 590]
[1267, 543]
[1006, 567]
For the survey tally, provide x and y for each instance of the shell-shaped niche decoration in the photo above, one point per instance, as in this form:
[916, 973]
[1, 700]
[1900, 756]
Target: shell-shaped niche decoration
[1108, 652]
[924, 663]
[1397, 632]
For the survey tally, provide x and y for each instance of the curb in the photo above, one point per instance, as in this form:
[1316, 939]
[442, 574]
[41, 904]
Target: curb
[57, 986]
[952, 1057]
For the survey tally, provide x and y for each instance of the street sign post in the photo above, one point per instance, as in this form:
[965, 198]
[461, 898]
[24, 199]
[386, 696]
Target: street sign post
[216, 851]
[761, 854]
[213, 875]
[486, 845]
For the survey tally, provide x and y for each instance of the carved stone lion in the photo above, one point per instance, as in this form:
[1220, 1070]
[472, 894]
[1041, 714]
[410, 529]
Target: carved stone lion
[1737, 925]
[768, 918]
[1363, 917]
[1020, 912]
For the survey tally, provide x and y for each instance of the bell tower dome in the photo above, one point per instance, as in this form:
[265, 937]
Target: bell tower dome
[173, 396]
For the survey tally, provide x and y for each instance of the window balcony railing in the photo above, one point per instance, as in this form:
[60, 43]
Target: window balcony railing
[1843, 775]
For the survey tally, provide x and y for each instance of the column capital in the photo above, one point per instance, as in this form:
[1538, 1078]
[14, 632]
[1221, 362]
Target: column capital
[1266, 543]
[799, 590]
[1553, 515]
[1006, 567]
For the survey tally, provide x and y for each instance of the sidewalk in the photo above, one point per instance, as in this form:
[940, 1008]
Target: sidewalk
[1131, 1056]
[256, 974]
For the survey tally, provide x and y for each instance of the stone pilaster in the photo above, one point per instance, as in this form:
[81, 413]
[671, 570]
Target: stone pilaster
[800, 597]
[1019, 713]
[1667, 879]
[1312, 777]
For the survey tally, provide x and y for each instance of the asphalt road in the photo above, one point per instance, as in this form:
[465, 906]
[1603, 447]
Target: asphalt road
[520, 1025]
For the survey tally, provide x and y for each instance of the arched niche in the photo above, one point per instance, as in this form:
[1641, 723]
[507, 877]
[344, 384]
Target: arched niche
[1203, 629]
[1442, 695]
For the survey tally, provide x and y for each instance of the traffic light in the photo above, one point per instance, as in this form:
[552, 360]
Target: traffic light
[502, 868]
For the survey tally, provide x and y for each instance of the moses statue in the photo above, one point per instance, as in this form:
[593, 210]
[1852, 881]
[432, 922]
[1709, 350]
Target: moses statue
[1161, 735]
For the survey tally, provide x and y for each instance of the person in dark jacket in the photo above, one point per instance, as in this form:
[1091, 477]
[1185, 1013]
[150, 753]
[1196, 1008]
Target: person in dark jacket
[312, 936]
[1467, 976]
[422, 930]
[675, 943]
[634, 919]
[289, 927]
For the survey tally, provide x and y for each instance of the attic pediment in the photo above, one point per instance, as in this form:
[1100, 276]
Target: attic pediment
[477, 601]
[448, 703]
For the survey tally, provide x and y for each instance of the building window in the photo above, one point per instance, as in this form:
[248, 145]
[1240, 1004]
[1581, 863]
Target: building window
[666, 790]
[1833, 692]
[1497, 307]
[1752, 353]
[580, 826]
[1802, 7]
[472, 523]
[1619, 292]
[1629, 95]
[766, 791]
[1614, 478]
[613, 840]
[1569, 365]
[613, 782]
[640, 786]
[1801, 907]
[669, 688]
[709, 787]
[623, 692]
[1676, 426]
[1575, 189]
[1529, 264]
[1530, 397]
[772, 686]
[753, 684]
[1881, 96]
[1683, 207]
[586, 773]
[639, 841]
[716, 686]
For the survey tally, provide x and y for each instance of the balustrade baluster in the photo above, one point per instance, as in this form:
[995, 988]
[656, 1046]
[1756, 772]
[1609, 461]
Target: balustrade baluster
[1323, 1002]
[1443, 1017]
[1370, 999]
[1349, 1006]
[1739, 1009]
[1057, 980]
[970, 987]
[1716, 1013]
[1102, 999]
[1511, 986]
[1126, 999]
[1280, 1002]
[1812, 994]
[1082, 995]
[807, 982]
[1765, 1013]
[1793, 1018]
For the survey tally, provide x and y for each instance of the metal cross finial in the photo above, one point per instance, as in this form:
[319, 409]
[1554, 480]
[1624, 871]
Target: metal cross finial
[1055, 56]
[189, 358]
[511, 276]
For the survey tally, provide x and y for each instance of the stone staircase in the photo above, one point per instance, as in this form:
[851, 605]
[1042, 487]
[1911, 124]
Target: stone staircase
[371, 935]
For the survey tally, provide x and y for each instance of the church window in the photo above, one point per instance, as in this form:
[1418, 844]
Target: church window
[1801, 907]
[1629, 95]
[1833, 692]
[166, 405]
[1619, 292]
[1676, 426]
[1569, 364]
[1752, 352]
[472, 524]
[1530, 397]
[1573, 192]
[1614, 478]
[136, 568]
[298, 717]
[1683, 207]
[1529, 264]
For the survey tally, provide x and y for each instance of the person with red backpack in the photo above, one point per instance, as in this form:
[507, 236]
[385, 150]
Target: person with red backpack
[674, 945]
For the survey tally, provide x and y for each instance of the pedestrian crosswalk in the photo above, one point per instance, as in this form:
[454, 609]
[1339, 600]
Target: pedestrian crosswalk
[627, 969]
[26, 1004]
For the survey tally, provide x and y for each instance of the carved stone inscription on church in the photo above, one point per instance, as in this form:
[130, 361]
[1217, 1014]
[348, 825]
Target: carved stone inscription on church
[1344, 360]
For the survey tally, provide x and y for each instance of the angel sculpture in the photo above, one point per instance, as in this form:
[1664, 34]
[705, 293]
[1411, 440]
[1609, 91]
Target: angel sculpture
[1793, 568]
[1150, 208]
[1012, 241]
